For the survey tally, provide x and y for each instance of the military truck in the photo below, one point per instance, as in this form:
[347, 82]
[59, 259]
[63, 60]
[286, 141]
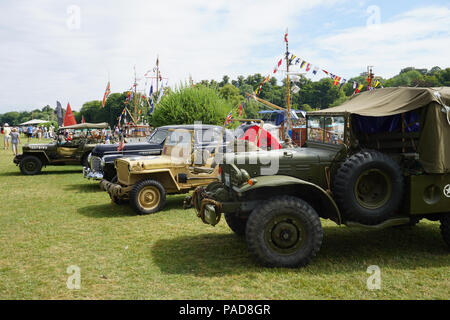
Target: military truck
[72, 145]
[182, 166]
[379, 160]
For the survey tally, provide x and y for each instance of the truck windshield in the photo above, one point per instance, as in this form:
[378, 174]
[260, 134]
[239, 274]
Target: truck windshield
[326, 129]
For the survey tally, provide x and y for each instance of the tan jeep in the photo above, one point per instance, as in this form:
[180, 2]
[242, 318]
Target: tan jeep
[145, 181]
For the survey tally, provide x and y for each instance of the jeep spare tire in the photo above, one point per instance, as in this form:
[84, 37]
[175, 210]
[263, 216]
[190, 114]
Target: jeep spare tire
[30, 165]
[368, 187]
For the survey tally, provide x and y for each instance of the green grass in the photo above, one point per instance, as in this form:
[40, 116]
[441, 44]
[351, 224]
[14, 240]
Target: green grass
[57, 219]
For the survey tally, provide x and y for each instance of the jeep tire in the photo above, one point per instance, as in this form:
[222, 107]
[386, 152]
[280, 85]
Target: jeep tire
[147, 196]
[284, 231]
[30, 165]
[236, 223]
[368, 187]
[445, 228]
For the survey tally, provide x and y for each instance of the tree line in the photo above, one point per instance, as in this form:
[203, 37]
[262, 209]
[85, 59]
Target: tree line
[196, 101]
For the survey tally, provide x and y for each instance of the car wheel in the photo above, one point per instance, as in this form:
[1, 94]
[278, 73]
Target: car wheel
[30, 165]
[284, 231]
[368, 187]
[147, 196]
[236, 224]
[445, 229]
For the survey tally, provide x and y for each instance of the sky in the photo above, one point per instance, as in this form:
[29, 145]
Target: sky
[68, 50]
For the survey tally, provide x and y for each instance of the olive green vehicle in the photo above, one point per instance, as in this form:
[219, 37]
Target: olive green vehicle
[146, 180]
[381, 159]
[62, 151]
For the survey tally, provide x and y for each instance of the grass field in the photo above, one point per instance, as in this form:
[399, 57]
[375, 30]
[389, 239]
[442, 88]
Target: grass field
[57, 219]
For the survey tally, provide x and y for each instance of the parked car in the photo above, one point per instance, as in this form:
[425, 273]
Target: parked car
[72, 146]
[182, 166]
[100, 164]
[381, 159]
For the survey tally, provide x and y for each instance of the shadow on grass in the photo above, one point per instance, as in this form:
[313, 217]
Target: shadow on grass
[84, 187]
[111, 210]
[44, 172]
[343, 250]
[108, 210]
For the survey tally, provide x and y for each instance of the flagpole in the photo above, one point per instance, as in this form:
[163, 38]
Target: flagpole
[288, 98]
[135, 91]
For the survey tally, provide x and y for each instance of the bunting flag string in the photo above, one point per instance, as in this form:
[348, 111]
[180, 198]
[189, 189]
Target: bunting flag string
[267, 78]
[337, 80]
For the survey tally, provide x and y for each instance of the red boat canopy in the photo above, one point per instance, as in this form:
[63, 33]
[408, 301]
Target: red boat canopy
[266, 140]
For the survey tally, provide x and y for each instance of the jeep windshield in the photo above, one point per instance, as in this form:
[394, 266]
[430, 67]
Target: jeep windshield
[326, 129]
[157, 137]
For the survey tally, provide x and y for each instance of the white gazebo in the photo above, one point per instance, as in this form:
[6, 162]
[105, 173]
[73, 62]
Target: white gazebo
[34, 121]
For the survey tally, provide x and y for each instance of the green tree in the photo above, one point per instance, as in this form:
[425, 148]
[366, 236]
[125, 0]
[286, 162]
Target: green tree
[190, 104]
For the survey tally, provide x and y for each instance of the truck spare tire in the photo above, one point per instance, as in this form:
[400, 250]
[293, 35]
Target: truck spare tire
[368, 187]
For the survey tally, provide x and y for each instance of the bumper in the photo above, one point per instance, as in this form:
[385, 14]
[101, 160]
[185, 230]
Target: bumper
[18, 158]
[90, 174]
[115, 190]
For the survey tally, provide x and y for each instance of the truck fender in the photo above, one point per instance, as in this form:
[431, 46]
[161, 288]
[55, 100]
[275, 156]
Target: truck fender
[164, 176]
[316, 196]
[40, 154]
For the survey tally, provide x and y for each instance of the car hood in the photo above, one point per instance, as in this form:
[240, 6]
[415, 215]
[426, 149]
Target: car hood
[105, 149]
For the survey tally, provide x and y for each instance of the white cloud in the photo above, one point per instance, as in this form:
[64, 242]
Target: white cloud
[419, 38]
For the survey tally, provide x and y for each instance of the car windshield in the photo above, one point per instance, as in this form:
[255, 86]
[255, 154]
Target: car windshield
[158, 136]
[326, 129]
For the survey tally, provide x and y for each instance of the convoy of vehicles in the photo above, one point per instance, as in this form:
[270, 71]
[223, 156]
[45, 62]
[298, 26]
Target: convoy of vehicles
[379, 160]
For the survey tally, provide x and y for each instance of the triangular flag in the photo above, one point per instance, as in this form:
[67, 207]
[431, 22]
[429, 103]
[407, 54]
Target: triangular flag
[315, 70]
[69, 119]
[308, 67]
[82, 119]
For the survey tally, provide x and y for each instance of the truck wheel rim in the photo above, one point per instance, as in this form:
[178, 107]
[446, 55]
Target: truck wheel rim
[149, 197]
[373, 189]
[285, 234]
[30, 165]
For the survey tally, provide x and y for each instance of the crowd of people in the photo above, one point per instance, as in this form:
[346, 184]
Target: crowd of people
[12, 135]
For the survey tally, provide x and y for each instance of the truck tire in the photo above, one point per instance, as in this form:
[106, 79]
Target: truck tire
[236, 224]
[30, 165]
[368, 187]
[284, 231]
[147, 196]
[445, 229]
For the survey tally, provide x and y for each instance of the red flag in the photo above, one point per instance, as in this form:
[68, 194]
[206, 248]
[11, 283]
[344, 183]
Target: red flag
[337, 81]
[69, 119]
[285, 36]
[82, 119]
[241, 109]
[105, 96]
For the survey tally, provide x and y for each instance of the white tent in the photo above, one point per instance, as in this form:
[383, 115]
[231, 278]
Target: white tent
[34, 121]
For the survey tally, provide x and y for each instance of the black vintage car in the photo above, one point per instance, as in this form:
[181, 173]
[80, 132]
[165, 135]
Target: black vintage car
[101, 160]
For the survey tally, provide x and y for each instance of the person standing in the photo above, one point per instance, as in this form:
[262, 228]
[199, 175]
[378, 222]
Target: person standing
[29, 133]
[15, 140]
[6, 136]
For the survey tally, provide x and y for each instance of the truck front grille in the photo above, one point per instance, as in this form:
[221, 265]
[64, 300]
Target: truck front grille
[95, 164]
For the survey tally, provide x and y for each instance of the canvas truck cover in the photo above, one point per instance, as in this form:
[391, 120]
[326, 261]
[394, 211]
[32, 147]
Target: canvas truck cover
[102, 125]
[434, 142]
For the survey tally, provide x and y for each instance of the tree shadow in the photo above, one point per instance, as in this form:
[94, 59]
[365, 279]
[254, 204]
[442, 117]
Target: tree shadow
[343, 250]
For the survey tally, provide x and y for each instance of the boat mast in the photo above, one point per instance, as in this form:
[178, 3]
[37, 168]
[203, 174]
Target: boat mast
[157, 74]
[135, 97]
[288, 98]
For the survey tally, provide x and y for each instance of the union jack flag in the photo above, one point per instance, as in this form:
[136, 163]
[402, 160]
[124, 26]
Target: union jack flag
[228, 119]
